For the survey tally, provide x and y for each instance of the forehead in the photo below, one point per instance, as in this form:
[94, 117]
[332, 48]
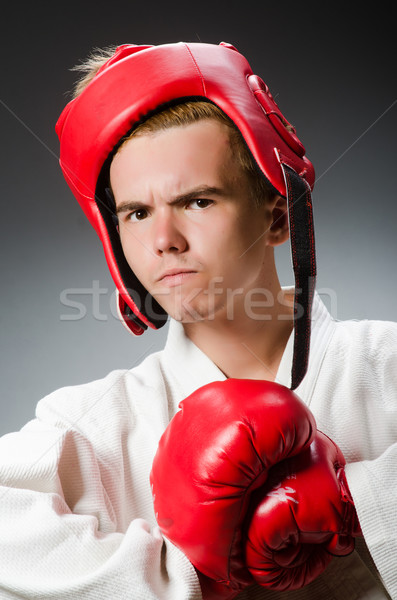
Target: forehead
[173, 158]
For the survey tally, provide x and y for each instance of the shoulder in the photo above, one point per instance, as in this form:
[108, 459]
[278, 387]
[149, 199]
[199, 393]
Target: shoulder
[372, 341]
[364, 352]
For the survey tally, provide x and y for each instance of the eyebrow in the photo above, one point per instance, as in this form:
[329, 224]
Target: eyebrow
[201, 190]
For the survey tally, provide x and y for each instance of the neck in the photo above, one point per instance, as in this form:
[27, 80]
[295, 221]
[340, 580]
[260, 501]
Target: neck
[251, 345]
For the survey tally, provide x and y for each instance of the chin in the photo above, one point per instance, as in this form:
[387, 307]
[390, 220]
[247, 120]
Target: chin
[184, 316]
[203, 307]
[188, 314]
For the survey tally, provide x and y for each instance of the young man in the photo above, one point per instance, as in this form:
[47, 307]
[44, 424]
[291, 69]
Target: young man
[189, 208]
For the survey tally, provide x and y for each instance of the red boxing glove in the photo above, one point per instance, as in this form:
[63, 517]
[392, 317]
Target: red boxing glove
[301, 517]
[216, 450]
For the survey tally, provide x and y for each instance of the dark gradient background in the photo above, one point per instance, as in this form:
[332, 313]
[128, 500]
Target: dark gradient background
[331, 67]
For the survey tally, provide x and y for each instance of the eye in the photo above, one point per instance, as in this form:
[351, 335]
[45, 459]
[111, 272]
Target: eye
[201, 202]
[136, 215]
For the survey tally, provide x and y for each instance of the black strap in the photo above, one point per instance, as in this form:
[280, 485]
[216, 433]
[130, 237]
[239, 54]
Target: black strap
[304, 265]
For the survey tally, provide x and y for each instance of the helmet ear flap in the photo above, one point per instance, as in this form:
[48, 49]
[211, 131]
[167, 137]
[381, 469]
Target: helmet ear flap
[279, 122]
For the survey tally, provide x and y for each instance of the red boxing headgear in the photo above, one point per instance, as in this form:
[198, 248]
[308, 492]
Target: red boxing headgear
[140, 80]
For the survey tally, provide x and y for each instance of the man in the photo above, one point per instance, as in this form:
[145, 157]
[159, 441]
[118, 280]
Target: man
[182, 207]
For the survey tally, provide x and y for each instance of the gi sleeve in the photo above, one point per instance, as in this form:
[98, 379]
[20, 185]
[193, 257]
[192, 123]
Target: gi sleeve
[49, 551]
[373, 479]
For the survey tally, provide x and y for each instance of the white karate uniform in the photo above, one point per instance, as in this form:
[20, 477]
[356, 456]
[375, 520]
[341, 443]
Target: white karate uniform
[76, 514]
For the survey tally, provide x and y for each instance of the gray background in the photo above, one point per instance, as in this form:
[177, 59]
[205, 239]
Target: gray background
[331, 69]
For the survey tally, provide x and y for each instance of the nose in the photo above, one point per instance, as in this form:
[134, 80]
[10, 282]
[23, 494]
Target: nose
[168, 234]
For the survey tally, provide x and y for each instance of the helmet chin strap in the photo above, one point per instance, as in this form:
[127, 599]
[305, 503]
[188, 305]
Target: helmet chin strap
[304, 265]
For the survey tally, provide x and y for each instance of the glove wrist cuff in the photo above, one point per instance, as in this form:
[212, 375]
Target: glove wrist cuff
[351, 522]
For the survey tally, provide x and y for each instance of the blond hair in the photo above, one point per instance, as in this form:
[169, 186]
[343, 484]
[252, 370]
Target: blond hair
[90, 66]
[178, 115]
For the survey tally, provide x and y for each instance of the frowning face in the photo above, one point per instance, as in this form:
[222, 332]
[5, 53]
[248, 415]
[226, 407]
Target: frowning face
[185, 207]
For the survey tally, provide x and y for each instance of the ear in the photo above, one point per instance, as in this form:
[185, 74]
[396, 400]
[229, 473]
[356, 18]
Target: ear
[278, 231]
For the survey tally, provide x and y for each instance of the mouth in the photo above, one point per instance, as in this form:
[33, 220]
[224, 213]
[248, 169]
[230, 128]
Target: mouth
[177, 277]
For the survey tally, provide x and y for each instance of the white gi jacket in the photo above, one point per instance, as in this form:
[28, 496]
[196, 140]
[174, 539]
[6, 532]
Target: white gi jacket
[76, 516]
